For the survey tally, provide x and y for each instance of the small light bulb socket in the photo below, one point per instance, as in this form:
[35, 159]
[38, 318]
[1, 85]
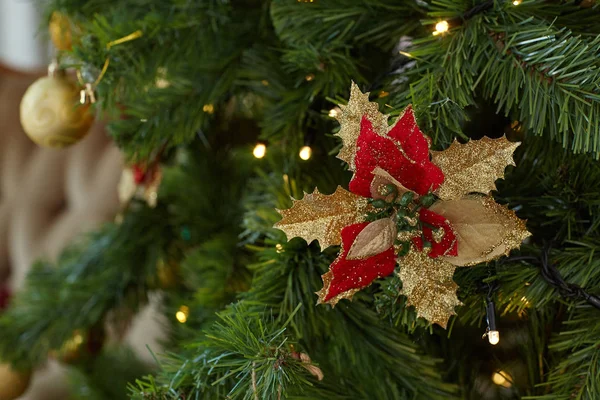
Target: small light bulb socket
[491, 315]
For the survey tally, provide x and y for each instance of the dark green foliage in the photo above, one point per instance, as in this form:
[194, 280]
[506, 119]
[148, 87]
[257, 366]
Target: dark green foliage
[272, 70]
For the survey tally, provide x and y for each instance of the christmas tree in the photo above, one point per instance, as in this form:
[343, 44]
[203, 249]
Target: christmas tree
[464, 200]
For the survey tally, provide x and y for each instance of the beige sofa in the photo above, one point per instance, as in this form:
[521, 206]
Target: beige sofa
[47, 197]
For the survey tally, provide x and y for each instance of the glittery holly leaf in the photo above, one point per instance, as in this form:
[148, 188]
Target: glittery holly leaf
[350, 120]
[473, 166]
[427, 283]
[347, 276]
[484, 229]
[321, 217]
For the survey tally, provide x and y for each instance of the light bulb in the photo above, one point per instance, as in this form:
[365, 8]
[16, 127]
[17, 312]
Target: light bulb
[279, 248]
[259, 150]
[441, 27]
[493, 337]
[516, 2]
[334, 112]
[502, 378]
[208, 108]
[305, 153]
[182, 314]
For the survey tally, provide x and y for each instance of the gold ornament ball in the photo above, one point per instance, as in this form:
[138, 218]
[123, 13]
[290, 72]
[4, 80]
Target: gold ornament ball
[51, 115]
[60, 31]
[12, 383]
[167, 273]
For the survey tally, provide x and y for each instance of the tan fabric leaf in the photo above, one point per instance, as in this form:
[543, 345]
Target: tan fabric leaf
[321, 217]
[376, 238]
[485, 230]
[473, 166]
[428, 286]
[349, 119]
[383, 178]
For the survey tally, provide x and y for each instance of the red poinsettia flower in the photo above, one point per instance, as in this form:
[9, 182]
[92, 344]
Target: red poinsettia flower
[403, 154]
[461, 228]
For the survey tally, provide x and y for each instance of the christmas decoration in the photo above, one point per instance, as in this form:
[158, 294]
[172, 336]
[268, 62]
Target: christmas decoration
[5, 296]
[50, 114]
[473, 166]
[12, 383]
[80, 346]
[167, 274]
[307, 363]
[428, 285]
[491, 331]
[321, 217]
[140, 182]
[61, 31]
[260, 150]
[427, 211]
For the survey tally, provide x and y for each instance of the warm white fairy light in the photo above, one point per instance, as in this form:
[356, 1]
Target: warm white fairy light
[334, 112]
[441, 27]
[493, 337]
[305, 152]
[516, 2]
[502, 378]
[182, 314]
[259, 150]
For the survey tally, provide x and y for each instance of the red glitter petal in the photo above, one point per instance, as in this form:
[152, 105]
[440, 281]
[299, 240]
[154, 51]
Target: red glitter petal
[416, 172]
[357, 274]
[448, 246]
[139, 174]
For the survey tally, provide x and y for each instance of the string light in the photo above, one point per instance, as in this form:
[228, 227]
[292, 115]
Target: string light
[491, 332]
[305, 152]
[182, 314]
[502, 378]
[208, 108]
[441, 27]
[259, 150]
[516, 2]
[161, 81]
[279, 248]
[334, 112]
[493, 337]
[309, 77]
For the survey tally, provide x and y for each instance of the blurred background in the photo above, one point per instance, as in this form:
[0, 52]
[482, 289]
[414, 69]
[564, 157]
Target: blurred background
[21, 47]
[49, 196]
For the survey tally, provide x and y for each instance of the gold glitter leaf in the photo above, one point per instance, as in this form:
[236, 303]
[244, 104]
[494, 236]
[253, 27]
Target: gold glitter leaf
[473, 166]
[321, 217]
[485, 230]
[349, 119]
[376, 238]
[427, 284]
